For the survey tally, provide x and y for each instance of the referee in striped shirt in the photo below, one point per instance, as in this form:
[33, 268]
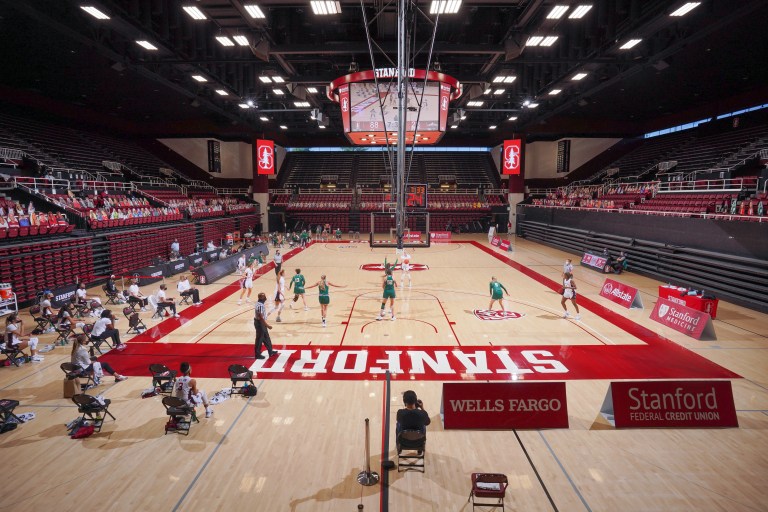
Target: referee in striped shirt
[262, 327]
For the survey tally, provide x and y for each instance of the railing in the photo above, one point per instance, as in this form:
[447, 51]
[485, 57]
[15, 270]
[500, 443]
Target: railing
[11, 154]
[662, 213]
[106, 185]
[330, 191]
[718, 185]
[24, 183]
[496, 191]
[199, 184]
[279, 191]
[232, 191]
[446, 177]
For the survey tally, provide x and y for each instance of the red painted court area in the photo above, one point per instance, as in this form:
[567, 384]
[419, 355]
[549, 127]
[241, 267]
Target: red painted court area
[658, 358]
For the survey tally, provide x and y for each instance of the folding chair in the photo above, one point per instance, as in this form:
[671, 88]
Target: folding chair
[43, 323]
[7, 416]
[92, 409]
[158, 308]
[488, 485]
[73, 371]
[64, 332]
[181, 415]
[12, 352]
[162, 377]
[112, 297]
[135, 325]
[185, 299]
[239, 374]
[410, 450]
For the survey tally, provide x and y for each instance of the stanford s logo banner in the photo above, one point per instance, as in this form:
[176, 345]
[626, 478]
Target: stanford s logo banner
[663, 309]
[379, 267]
[511, 157]
[265, 156]
[490, 314]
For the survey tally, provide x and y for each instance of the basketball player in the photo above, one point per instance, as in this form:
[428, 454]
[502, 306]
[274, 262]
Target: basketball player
[279, 295]
[388, 285]
[405, 269]
[186, 389]
[324, 297]
[246, 283]
[297, 283]
[496, 293]
[569, 293]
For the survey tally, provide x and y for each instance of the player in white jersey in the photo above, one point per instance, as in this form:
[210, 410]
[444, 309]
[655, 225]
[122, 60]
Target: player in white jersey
[405, 268]
[279, 294]
[186, 389]
[246, 283]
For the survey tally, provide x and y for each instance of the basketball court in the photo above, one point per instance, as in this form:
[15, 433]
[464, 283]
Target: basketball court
[299, 444]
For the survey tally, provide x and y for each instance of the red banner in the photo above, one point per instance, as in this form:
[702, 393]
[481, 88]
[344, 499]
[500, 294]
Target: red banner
[265, 154]
[440, 236]
[504, 244]
[445, 98]
[412, 235]
[683, 319]
[345, 107]
[507, 406]
[495, 241]
[673, 404]
[680, 296]
[621, 294]
[511, 157]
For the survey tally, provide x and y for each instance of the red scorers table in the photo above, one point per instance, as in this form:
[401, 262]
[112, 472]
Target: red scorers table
[697, 302]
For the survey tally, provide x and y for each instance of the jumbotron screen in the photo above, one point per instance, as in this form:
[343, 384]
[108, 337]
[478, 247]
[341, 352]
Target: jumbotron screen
[367, 103]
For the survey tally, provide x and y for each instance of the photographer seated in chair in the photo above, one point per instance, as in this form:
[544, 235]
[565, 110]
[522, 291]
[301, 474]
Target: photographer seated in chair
[413, 417]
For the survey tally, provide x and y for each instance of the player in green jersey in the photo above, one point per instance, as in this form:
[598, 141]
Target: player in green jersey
[388, 285]
[297, 283]
[496, 293]
[323, 286]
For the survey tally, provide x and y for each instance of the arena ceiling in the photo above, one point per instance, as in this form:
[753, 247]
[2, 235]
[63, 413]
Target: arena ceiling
[58, 57]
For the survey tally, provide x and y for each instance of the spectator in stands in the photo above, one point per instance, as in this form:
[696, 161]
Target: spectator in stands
[135, 296]
[89, 365]
[104, 328]
[211, 246]
[14, 335]
[184, 289]
[166, 302]
[186, 389]
[3, 222]
[175, 250]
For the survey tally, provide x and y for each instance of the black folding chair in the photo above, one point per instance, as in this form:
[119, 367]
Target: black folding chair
[96, 341]
[12, 352]
[73, 371]
[180, 415]
[8, 420]
[92, 409]
[410, 450]
[64, 332]
[43, 322]
[112, 297]
[185, 298]
[162, 377]
[239, 374]
[135, 325]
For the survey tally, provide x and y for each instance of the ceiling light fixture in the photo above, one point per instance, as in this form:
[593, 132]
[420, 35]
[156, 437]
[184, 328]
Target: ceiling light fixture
[241, 40]
[244, 105]
[312, 90]
[200, 78]
[555, 92]
[510, 79]
[279, 92]
[301, 104]
[549, 41]
[487, 91]
[629, 44]
[325, 7]
[265, 79]
[475, 103]
[264, 118]
[445, 6]
[283, 127]
[557, 12]
[534, 41]
[146, 45]
[94, 12]
[225, 41]
[222, 92]
[454, 126]
[194, 12]
[498, 91]
[513, 118]
[579, 12]
[254, 10]
[492, 127]
[685, 9]
[499, 79]
[533, 105]
[578, 76]
[278, 79]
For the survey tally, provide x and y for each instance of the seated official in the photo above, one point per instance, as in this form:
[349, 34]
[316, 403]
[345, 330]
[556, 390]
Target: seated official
[184, 289]
[620, 263]
[413, 416]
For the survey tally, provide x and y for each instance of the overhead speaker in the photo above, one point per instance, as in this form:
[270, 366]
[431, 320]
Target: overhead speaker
[512, 49]
[660, 65]
[261, 50]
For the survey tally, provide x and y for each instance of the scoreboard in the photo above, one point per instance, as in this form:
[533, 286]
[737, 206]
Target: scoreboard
[415, 196]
